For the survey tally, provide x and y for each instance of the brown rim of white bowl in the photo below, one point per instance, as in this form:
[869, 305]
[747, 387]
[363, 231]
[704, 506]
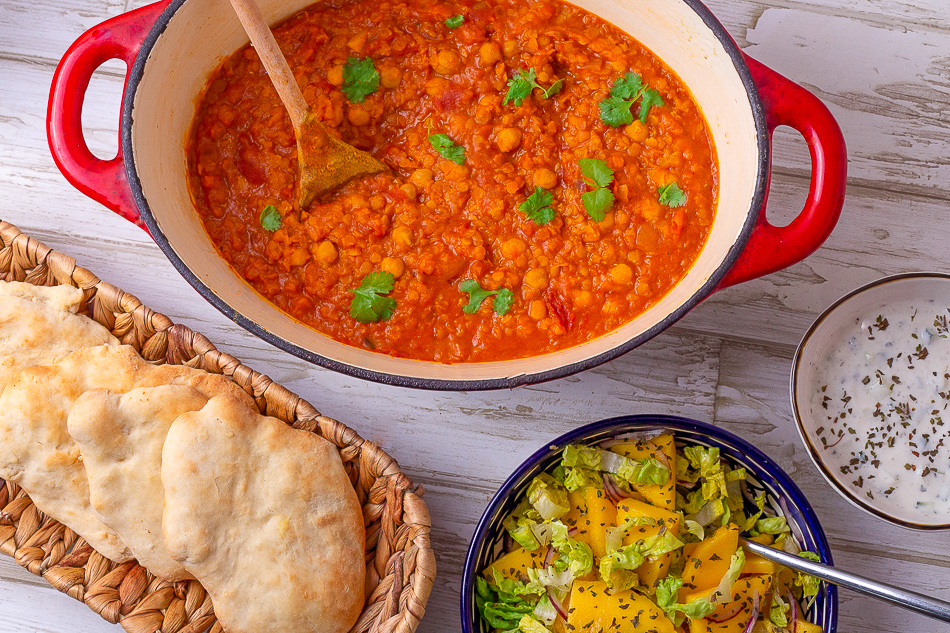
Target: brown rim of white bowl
[813, 452]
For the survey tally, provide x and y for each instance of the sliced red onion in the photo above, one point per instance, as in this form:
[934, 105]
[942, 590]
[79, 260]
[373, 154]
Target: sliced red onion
[792, 523]
[792, 601]
[572, 532]
[613, 490]
[662, 457]
[561, 611]
[755, 612]
[549, 556]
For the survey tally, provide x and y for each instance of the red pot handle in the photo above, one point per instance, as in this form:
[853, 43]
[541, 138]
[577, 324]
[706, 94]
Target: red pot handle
[772, 248]
[104, 181]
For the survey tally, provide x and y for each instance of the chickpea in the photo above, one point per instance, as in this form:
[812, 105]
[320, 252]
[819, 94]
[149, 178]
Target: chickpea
[453, 172]
[584, 299]
[410, 190]
[421, 178]
[621, 274]
[335, 76]
[393, 266]
[357, 116]
[390, 77]
[489, 54]
[544, 178]
[402, 235]
[636, 131]
[536, 278]
[643, 288]
[508, 139]
[446, 62]
[513, 248]
[436, 86]
[326, 253]
[510, 47]
[537, 310]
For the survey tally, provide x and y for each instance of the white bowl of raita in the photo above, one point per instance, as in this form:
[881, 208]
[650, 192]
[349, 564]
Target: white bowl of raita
[870, 390]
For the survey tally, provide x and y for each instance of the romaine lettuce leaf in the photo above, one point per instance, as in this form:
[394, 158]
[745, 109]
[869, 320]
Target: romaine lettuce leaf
[548, 497]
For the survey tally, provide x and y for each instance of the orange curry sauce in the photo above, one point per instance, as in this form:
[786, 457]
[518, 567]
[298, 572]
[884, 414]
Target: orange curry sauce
[434, 223]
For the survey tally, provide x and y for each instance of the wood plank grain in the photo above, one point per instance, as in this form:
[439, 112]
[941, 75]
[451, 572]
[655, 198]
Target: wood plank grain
[46, 29]
[28, 608]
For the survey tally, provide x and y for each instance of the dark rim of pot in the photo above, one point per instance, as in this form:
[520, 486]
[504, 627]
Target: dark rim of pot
[595, 431]
[813, 451]
[752, 215]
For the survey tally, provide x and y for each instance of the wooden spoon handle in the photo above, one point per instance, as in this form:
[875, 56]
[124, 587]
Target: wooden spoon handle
[273, 59]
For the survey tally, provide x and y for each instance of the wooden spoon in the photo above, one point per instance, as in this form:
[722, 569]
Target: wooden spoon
[324, 162]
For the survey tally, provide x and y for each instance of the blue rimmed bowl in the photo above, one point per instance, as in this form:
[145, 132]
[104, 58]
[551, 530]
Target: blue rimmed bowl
[764, 474]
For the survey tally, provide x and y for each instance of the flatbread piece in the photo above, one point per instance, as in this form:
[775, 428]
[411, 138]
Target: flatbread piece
[36, 450]
[120, 437]
[265, 517]
[40, 325]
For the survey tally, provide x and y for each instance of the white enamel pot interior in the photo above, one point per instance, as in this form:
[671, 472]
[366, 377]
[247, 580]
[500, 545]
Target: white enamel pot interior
[192, 37]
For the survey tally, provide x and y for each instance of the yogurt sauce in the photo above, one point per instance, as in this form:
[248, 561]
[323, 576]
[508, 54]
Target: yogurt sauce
[880, 411]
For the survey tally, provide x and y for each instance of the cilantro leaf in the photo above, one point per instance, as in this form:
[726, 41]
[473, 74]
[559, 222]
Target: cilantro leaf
[455, 22]
[270, 218]
[615, 112]
[596, 171]
[538, 206]
[615, 109]
[523, 82]
[447, 148]
[360, 79]
[649, 99]
[553, 89]
[599, 176]
[672, 196]
[502, 302]
[368, 305]
[477, 295]
[520, 86]
[597, 202]
[627, 87]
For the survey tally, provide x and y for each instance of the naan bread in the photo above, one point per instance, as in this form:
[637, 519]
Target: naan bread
[120, 437]
[39, 325]
[265, 518]
[36, 450]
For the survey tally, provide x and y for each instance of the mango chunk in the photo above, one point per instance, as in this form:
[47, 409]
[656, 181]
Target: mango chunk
[595, 609]
[806, 627]
[601, 514]
[663, 496]
[515, 564]
[708, 561]
[654, 568]
[742, 597]
[755, 564]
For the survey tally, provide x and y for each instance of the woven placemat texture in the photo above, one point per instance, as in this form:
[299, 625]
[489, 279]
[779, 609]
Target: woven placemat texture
[400, 563]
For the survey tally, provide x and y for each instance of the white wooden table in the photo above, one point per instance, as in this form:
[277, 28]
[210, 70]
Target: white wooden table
[882, 66]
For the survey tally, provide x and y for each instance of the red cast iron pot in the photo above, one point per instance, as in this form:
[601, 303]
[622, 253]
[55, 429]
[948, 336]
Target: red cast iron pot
[172, 46]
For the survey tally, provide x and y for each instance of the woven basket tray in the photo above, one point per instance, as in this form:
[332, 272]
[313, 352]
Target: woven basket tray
[400, 565]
